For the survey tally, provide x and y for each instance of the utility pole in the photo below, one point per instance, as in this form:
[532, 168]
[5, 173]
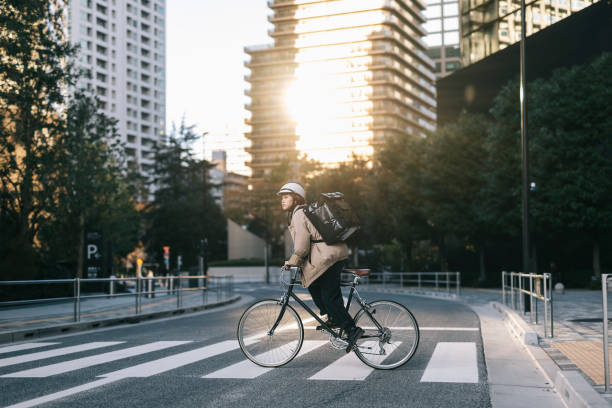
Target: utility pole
[524, 143]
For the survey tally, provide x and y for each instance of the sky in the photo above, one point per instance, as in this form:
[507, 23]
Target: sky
[205, 60]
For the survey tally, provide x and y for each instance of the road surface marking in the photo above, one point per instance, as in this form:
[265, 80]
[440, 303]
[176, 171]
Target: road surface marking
[25, 346]
[449, 329]
[141, 370]
[350, 368]
[248, 369]
[346, 368]
[61, 394]
[171, 362]
[66, 366]
[452, 362]
[56, 352]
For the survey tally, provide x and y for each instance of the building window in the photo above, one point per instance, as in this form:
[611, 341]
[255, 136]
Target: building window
[451, 23]
[432, 26]
[433, 12]
[451, 37]
[452, 65]
[451, 9]
[433, 40]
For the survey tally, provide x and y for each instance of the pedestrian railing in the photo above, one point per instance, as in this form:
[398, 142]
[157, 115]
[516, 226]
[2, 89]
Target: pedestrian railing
[449, 282]
[604, 301]
[517, 286]
[141, 287]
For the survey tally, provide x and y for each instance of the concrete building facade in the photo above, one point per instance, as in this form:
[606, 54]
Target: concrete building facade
[340, 77]
[122, 48]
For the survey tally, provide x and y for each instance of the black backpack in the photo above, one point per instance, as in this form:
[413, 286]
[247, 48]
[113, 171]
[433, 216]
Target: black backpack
[332, 217]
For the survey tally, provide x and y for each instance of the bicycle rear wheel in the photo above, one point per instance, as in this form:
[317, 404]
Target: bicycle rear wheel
[392, 346]
[264, 347]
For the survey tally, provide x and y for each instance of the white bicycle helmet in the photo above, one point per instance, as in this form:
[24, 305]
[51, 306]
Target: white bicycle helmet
[294, 188]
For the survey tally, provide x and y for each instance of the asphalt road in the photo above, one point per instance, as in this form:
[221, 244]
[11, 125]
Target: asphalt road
[162, 364]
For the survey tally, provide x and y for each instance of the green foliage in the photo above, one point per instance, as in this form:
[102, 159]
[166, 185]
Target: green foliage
[183, 210]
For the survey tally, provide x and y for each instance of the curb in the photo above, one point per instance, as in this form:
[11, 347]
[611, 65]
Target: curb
[517, 325]
[27, 334]
[573, 388]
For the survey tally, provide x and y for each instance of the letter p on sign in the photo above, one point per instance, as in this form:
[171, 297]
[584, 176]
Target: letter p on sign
[91, 250]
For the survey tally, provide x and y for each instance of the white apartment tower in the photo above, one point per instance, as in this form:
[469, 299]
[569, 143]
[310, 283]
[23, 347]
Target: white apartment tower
[123, 48]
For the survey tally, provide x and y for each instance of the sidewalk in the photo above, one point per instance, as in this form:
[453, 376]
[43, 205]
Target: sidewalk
[60, 314]
[577, 345]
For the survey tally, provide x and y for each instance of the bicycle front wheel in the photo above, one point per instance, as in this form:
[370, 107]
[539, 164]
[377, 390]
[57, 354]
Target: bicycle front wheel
[269, 335]
[392, 341]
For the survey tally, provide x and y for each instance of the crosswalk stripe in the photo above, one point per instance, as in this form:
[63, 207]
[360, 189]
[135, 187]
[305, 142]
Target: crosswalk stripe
[348, 367]
[248, 369]
[56, 352]
[140, 370]
[452, 362]
[24, 346]
[66, 366]
[177, 360]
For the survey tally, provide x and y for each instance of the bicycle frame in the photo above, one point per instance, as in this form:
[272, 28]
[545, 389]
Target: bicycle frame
[290, 294]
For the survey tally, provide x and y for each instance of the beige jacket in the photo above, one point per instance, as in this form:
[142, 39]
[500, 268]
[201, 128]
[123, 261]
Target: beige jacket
[316, 257]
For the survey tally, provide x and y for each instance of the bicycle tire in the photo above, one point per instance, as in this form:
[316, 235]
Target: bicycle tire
[258, 345]
[402, 327]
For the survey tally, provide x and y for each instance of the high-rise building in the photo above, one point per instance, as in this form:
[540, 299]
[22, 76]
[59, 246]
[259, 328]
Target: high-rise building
[488, 26]
[123, 48]
[340, 77]
[442, 39]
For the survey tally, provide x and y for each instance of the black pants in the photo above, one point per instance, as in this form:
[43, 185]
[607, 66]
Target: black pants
[326, 294]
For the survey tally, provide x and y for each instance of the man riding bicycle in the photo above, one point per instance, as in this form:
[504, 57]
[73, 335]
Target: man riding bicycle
[321, 264]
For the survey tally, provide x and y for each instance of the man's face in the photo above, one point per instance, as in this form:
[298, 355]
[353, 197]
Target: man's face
[286, 202]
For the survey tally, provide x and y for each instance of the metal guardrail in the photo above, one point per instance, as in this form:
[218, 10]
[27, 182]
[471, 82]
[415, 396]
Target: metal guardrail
[439, 281]
[143, 286]
[540, 288]
[604, 301]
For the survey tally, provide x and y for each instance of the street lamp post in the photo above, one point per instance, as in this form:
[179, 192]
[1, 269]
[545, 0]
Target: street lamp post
[524, 144]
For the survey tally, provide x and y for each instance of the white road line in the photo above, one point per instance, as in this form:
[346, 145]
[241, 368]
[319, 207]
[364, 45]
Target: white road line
[248, 369]
[62, 394]
[452, 362]
[66, 366]
[410, 328]
[346, 368]
[24, 346]
[56, 352]
[171, 362]
[141, 370]
[449, 329]
[350, 368]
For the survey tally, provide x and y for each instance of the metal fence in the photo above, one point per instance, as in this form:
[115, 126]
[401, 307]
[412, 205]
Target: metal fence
[138, 287]
[516, 286]
[604, 301]
[449, 282]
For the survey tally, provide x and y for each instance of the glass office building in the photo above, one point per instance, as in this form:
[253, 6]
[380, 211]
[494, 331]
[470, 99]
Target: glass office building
[488, 26]
[442, 39]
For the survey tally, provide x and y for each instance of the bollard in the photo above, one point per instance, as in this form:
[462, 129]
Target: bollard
[77, 300]
[604, 300]
[458, 282]
[138, 290]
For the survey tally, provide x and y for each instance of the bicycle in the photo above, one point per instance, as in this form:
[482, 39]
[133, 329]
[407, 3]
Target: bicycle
[270, 332]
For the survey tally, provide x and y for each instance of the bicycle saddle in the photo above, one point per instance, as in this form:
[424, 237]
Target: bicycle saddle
[359, 272]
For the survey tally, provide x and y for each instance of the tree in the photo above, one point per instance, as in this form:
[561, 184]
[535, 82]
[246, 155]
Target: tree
[93, 188]
[571, 122]
[454, 181]
[395, 206]
[34, 72]
[183, 210]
